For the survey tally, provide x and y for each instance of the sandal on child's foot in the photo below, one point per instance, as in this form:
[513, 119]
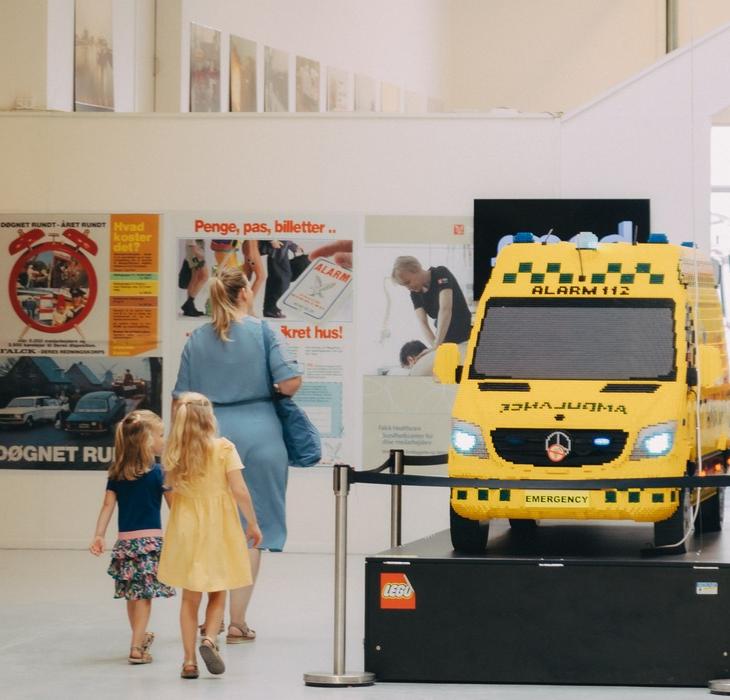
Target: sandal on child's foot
[201, 629]
[209, 652]
[189, 670]
[246, 634]
[147, 640]
[144, 657]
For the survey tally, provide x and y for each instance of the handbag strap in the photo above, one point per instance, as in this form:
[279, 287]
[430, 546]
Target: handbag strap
[267, 349]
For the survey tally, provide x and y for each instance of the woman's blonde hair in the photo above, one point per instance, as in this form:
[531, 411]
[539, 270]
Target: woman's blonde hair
[190, 442]
[224, 290]
[133, 453]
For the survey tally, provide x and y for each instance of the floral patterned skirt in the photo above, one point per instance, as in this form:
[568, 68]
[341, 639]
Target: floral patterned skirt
[134, 569]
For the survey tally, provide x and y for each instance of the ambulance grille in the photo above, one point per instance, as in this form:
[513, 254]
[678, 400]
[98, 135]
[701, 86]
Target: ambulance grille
[587, 447]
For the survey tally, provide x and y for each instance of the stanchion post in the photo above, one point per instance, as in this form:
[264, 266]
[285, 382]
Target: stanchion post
[341, 485]
[396, 518]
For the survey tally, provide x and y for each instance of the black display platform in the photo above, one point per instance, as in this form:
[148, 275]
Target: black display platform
[571, 603]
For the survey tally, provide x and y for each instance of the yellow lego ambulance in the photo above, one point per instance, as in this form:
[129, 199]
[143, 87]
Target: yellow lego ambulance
[590, 361]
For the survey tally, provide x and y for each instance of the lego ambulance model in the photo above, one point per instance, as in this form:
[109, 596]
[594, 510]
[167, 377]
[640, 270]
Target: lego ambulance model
[590, 361]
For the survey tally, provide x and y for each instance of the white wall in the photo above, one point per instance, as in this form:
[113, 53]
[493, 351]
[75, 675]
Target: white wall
[649, 137]
[539, 56]
[321, 163]
[400, 42]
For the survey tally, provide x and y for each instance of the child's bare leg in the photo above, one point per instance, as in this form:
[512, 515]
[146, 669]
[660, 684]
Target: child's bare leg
[189, 622]
[214, 612]
[138, 612]
[241, 597]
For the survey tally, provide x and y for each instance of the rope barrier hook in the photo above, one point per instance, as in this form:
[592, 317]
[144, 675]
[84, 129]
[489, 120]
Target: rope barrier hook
[338, 677]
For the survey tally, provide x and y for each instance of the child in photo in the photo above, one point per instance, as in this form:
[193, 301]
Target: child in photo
[136, 485]
[205, 548]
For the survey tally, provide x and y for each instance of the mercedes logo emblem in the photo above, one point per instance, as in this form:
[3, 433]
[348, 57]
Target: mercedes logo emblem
[557, 446]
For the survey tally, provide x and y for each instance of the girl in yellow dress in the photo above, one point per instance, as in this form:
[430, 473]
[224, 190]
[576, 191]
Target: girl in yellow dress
[204, 547]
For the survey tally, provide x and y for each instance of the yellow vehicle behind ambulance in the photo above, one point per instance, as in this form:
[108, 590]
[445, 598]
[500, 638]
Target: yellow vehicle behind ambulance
[590, 361]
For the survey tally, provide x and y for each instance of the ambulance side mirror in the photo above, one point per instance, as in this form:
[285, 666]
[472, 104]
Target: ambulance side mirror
[710, 365]
[447, 364]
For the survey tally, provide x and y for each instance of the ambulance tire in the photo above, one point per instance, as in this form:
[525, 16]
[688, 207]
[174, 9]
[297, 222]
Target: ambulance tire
[711, 512]
[523, 527]
[468, 536]
[670, 531]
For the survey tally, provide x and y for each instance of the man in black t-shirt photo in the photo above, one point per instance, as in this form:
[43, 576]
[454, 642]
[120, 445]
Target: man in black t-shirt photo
[435, 295]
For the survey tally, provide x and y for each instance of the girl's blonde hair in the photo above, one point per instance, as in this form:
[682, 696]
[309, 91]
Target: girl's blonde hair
[133, 453]
[224, 290]
[190, 442]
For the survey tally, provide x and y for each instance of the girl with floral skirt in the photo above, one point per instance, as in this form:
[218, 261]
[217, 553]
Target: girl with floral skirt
[136, 484]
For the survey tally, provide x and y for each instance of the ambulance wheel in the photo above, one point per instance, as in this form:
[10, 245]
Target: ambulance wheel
[670, 531]
[712, 512]
[523, 526]
[468, 536]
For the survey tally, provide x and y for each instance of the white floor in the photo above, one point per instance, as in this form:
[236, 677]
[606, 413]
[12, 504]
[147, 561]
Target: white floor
[63, 636]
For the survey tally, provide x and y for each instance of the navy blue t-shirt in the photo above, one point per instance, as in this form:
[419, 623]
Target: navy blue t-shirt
[139, 500]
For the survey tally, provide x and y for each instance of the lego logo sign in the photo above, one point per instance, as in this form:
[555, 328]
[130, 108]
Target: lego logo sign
[396, 592]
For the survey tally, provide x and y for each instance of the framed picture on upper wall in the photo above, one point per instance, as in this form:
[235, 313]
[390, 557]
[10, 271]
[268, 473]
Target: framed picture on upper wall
[205, 69]
[338, 90]
[389, 98]
[496, 221]
[364, 93]
[308, 82]
[276, 80]
[243, 75]
[93, 64]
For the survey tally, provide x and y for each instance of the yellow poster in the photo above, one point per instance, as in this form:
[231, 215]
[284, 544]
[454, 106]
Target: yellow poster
[133, 284]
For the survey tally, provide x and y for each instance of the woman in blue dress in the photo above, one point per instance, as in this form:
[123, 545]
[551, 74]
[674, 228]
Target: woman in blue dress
[233, 361]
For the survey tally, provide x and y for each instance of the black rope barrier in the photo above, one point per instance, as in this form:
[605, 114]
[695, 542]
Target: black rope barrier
[412, 460]
[371, 477]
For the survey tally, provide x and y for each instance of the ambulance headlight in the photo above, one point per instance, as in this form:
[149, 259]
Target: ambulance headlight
[654, 440]
[466, 439]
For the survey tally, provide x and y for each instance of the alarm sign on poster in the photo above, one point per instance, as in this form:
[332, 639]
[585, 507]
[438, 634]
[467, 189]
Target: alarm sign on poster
[318, 288]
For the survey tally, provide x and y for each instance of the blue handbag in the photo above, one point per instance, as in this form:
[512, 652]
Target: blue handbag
[301, 437]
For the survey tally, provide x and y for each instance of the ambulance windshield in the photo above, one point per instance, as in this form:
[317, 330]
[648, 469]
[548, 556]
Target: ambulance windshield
[576, 339]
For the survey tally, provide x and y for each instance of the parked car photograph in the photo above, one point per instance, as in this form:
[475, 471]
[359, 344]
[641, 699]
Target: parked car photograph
[26, 411]
[96, 412]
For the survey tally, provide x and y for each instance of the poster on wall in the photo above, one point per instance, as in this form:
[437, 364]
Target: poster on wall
[308, 82]
[496, 221]
[338, 90]
[205, 69]
[243, 75]
[276, 80]
[389, 98]
[364, 93]
[93, 57]
[61, 412]
[80, 346]
[408, 284]
[302, 269]
[80, 284]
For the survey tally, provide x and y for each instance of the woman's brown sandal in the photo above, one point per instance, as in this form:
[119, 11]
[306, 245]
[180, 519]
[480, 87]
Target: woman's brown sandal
[189, 671]
[144, 656]
[209, 652]
[247, 634]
